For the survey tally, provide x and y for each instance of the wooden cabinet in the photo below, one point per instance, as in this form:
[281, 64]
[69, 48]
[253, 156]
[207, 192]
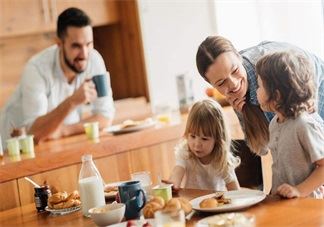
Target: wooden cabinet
[101, 12]
[22, 17]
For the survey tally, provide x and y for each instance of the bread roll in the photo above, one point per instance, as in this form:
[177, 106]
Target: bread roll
[173, 204]
[208, 203]
[178, 203]
[185, 205]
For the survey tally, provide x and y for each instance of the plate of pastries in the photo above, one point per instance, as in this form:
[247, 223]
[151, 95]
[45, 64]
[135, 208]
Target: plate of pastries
[62, 203]
[131, 126]
[227, 201]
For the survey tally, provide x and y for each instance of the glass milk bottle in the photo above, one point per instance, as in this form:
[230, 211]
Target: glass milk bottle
[90, 185]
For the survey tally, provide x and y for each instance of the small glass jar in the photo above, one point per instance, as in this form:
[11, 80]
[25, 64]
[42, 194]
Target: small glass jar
[40, 196]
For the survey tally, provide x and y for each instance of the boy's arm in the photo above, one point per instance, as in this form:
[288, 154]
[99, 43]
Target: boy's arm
[315, 180]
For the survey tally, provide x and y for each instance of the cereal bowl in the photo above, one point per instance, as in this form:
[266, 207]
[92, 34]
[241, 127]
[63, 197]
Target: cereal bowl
[108, 214]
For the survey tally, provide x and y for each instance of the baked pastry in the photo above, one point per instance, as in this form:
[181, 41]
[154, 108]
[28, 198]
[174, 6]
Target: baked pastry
[57, 198]
[73, 195]
[129, 123]
[62, 200]
[159, 200]
[185, 205]
[208, 203]
[178, 203]
[150, 208]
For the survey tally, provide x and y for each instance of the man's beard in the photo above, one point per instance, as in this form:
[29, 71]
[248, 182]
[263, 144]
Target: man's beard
[71, 66]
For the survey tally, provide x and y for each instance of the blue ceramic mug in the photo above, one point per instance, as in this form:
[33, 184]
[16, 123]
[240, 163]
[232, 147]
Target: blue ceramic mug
[133, 196]
[101, 84]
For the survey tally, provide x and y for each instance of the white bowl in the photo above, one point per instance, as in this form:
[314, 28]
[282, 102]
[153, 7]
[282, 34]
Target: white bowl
[108, 214]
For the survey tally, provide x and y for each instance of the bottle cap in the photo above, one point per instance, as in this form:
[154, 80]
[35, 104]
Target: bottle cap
[86, 157]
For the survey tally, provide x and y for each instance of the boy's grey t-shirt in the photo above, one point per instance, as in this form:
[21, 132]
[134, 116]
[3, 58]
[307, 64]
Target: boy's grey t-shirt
[295, 145]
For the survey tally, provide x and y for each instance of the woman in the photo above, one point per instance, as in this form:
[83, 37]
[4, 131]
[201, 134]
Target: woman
[233, 74]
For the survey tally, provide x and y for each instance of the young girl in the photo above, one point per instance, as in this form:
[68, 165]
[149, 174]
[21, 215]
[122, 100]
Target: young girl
[285, 81]
[203, 157]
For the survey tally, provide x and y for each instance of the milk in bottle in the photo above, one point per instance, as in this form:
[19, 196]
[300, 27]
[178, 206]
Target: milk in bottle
[90, 185]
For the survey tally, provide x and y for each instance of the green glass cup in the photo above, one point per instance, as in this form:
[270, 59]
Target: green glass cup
[164, 191]
[92, 130]
[27, 144]
[13, 147]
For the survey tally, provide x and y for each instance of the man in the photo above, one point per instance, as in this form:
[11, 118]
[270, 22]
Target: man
[57, 82]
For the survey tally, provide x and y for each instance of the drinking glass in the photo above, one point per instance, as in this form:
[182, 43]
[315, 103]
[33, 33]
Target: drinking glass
[145, 178]
[170, 218]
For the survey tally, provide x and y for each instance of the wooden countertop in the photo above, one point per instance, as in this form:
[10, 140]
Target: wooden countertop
[67, 151]
[272, 211]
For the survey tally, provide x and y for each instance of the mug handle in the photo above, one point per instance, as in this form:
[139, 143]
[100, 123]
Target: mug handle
[144, 199]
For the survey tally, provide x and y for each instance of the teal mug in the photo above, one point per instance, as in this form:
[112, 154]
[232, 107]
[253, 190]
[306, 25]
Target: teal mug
[133, 196]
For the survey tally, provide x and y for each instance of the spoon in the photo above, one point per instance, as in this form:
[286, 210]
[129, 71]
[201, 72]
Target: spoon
[32, 182]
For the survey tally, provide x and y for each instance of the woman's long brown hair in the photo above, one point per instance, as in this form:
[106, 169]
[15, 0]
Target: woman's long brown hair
[255, 125]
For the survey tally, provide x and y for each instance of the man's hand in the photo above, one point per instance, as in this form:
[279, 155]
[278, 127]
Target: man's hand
[288, 191]
[86, 93]
[236, 103]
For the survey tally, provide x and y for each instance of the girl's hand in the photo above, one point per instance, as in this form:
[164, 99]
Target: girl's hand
[236, 103]
[288, 191]
[174, 189]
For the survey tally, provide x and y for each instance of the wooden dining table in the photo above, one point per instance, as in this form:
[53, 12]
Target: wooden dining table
[272, 211]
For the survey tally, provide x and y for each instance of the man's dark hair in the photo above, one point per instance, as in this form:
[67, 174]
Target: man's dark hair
[71, 17]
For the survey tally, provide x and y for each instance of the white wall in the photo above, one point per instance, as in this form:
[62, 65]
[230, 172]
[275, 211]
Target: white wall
[172, 31]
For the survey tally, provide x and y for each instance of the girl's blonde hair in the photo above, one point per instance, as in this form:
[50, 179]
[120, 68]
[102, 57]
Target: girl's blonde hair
[206, 117]
[287, 78]
[255, 124]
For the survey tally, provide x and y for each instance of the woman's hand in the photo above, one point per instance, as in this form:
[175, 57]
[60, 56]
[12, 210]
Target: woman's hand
[288, 191]
[236, 103]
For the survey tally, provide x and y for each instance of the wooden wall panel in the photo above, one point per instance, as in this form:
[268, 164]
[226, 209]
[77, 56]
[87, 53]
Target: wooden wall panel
[9, 195]
[114, 168]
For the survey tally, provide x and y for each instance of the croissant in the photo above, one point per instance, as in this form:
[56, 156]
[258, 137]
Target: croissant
[57, 198]
[159, 200]
[150, 208]
[178, 203]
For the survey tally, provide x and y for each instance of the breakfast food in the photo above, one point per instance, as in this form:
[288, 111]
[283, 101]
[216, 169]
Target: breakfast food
[150, 208]
[157, 203]
[130, 123]
[61, 200]
[218, 200]
[208, 203]
[178, 203]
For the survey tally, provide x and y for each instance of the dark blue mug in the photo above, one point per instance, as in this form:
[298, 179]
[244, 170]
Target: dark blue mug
[133, 196]
[101, 84]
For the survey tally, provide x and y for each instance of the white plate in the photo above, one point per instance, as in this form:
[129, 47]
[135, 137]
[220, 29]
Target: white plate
[118, 129]
[63, 211]
[112, 194]
[232, 219]
[138, 223]
[239, 199]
